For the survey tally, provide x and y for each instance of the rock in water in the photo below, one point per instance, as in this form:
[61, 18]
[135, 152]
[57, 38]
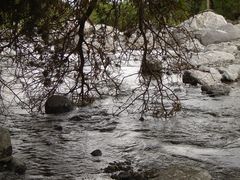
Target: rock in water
[183, 173]
[18, 166]
[57, 104]
[216, 89]
[5, 145]
[96, 152]
[195, 77]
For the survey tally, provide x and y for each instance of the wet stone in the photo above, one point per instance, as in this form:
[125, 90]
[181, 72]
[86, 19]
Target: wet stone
[124, 171]
[18, 166]
[5, 145]
[96, 152]
[57, 104]
[183, 172]
[58, 127]
[216, 90]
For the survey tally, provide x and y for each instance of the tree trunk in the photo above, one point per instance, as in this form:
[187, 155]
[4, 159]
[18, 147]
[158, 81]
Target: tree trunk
[208, 4]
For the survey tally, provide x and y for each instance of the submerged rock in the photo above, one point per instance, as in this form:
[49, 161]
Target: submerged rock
[183, 173]
[216, 89]
[17, 166]
[57, 104]
[5, 145]
[7, 162]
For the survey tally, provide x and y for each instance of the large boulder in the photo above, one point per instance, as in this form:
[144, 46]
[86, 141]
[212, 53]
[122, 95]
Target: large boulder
[230, 73]
[224, 46]
[5, 145]
[57, 104]
[7, 162]
[211, 28]
[214, 58]
[195, 77]
[205, 20]
[225, 33]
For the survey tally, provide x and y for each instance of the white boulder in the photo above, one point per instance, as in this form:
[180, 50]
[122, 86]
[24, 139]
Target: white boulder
[205, 20]
[214, 58]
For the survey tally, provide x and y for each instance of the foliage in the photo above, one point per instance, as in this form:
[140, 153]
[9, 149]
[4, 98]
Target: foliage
[122, 16]
[228, 8]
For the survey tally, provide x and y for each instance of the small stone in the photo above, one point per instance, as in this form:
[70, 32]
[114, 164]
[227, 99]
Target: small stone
[58, 127]
[96, 152]
[141, 119]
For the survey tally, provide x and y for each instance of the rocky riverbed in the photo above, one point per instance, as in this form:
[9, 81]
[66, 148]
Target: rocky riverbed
[205, 135]
[200, 142]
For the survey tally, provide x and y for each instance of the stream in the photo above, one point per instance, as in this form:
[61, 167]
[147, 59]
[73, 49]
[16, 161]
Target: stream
[206, 134]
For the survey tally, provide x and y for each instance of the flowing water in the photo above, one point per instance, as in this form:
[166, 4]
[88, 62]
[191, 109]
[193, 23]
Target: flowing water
[206, 133]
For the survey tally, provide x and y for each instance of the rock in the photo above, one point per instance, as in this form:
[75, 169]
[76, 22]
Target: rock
[230, 73]
[195, 77]
[96, 152]
[226, 33]
[5, 145]
[153, 66]
[189, 78]
[183, 172]
[205, 20]
[7, 162]
[58, 104]
[211, 28]
[214, 58]
[18, 166]
[194, 45]
[58, 127]
[216, 89]
[225, 47]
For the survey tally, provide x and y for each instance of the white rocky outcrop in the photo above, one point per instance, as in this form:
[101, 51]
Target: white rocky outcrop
[205, 20]
[211, 28]
[213, 58]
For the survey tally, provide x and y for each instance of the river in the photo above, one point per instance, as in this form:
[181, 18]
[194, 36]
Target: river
[206, 134]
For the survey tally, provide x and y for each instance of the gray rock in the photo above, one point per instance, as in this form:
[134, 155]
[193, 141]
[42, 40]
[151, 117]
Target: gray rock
[182, 173]
[5, 145]
[205, 20]
[96, 152]
[225, 47]
[195, 77]
[216, 89]
[152, 66]
[214, 58]
[225, 34]
[230, 73]
[58, 104]
[190, 78]
[18, 166]
[211, 28]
